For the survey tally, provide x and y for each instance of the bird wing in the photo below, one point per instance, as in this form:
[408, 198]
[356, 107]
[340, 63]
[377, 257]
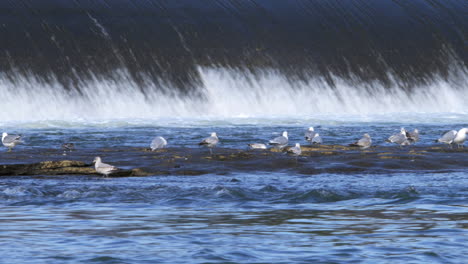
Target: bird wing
[107, 166]
[209, 141]
[12, 138]
[448, 136]
[279, 141]
[397, 138]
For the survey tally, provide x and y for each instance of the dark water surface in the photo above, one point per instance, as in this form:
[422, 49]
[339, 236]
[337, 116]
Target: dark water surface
[409, 215]
[271, 218]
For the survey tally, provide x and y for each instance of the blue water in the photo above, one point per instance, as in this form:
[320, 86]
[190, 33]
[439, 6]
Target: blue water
[230, 216]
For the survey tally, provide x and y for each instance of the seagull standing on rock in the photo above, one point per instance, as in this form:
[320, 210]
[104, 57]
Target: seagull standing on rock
[281, 141]
[10, 141]
[295, 151]
[364, 143]
[103, 168]
[210, 142]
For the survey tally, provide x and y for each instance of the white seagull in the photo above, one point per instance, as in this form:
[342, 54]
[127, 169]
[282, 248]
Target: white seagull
[10, 141]
[280, 141]
[158, 143]
[364, 142]
[296, 150]
[103, 168]
[448, 137]
[210, 142]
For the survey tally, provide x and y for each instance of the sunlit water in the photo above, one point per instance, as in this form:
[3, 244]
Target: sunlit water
[233, 217]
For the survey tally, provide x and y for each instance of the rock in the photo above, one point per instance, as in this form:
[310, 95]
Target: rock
[64, 167]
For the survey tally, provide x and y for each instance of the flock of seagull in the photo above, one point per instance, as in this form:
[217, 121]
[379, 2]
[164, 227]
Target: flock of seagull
[403, 138]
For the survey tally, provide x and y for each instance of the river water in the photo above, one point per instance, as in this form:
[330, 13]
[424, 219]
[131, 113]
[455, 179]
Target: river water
[229, 215]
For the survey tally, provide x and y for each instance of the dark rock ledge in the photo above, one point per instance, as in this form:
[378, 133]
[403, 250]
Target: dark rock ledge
[332, 159]
[64, 167]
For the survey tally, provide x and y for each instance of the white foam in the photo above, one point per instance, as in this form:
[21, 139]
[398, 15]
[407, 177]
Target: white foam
[227, 95]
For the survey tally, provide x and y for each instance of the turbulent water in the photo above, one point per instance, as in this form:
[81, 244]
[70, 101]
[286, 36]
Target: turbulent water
[111, 75]
[255, 219]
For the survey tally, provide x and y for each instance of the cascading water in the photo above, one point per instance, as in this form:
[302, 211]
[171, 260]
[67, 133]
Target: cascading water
[225, 94]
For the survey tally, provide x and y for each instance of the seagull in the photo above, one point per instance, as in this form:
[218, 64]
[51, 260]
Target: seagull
[158, 143]
[103, 168]
[317, 139]
[309, 134]
[413, 137]
[10, 141]
[210, 142]
[461, 137]
[295, 151]
[363, 143]
[257, 146]
[280, 141]
[448, 137]
[399, 138]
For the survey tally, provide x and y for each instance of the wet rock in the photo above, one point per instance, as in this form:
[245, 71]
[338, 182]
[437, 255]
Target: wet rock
[64, 167]
[193, 161]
